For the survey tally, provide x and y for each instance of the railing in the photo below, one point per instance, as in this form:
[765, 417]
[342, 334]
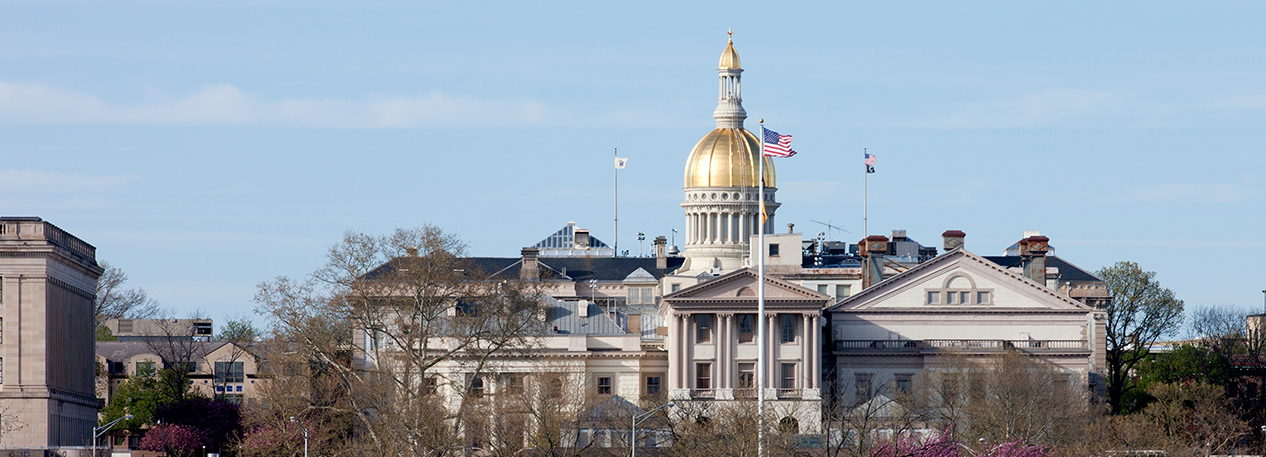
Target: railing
[918, 345]
[703, 393]
[745, 393]
[789, 393]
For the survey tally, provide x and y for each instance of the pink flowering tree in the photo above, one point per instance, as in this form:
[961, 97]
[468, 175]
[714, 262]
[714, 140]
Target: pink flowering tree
[174, 440]
[942, 444]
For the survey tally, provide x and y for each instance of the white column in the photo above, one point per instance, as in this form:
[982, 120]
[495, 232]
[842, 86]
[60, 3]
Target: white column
[806, 346]
[816, 351]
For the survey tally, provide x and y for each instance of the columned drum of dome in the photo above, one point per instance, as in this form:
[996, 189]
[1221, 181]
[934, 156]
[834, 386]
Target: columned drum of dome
[722, 182]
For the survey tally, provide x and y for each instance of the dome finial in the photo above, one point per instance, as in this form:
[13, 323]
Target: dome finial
[730, 32]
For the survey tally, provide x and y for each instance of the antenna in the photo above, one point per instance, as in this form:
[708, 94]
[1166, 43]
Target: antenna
[830, 229]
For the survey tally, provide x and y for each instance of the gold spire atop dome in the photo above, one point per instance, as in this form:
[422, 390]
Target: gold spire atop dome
[729, 57]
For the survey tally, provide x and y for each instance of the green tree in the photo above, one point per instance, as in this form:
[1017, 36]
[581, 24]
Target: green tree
[139, 396]
[1140, 313]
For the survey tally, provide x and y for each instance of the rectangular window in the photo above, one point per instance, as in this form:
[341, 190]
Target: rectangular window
[1, 283]
[703, 375]
[229, 372]
[145, 368]
[514, 384]
[951, 297]
[746, 332]
[982, 298]
[964, 298]
[788, 376]
[746, 376]
[934, 298]
[861, 385]
[788, 322]
[652, 385]
[903, 382]
[843, 290]
[641, 295]
[773, 249]
[676, 287]
[604, 385]
[822, 288]
[703, 328]
[430, 385]
[477, 387]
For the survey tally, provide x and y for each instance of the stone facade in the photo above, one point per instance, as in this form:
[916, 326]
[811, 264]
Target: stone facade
[47, 286]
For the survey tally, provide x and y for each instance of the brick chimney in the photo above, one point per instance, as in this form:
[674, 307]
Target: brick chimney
[953, 239]
[531, 269]
[874, 247]
[661, 254]
[1033, 252]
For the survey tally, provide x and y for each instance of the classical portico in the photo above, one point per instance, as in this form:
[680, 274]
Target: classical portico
[713, 342]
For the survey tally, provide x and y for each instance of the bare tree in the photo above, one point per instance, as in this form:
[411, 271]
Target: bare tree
[116, 302]
[180, 349]
[419, 315]
[240, 335]
[1141, 311]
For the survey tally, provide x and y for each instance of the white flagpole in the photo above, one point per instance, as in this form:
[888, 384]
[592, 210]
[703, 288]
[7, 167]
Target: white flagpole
[616, 253]
[865, 194]
[760, 306]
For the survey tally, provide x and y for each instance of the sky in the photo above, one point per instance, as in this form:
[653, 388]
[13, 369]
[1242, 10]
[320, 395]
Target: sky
[206, 146]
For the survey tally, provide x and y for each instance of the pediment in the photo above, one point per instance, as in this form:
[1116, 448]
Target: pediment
[742, 285]
[958, 280]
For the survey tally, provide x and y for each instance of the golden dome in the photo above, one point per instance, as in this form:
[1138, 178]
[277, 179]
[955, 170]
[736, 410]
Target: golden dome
[729, 57]
[727, 158]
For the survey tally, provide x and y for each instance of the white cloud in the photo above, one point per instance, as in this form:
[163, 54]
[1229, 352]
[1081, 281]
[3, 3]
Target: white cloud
[224, 104]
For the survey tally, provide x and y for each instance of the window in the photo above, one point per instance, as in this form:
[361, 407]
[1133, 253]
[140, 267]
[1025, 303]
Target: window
[843, 290]
[604, 385]
[676, 287]
[229, 372]
[982, 298]
[1, 285]
[746, 332]
[703, 328]
[746, 376]
[951, 298]
[641, 295]
[652, 385]
[822, 288]
[145, 368]
[788, 322]
[477, 387]
[430, 385]
[959, 289]
[861, 384]
[188, 367]
[234, 398]
[466, 309]
[514, 384]
[903, 382]
[788, 376]
[964, 297]
[773, 249]
[703, 375]
[934, 298]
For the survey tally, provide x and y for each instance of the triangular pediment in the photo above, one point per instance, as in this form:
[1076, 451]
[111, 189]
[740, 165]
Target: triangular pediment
[742, 286]
[958, 280]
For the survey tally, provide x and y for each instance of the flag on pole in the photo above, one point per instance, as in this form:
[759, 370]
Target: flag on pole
[777, 145]
[620, 162]
[870, 161]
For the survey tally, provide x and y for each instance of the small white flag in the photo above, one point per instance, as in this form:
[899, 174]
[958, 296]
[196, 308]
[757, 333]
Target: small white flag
[620, 161]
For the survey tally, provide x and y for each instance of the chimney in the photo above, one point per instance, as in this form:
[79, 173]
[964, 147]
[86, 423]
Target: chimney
[531, 269]
[635, 324]
[581, 238]
[1033, 252]
[791, 228]
[661, 256]
[875, 246]
[953, 239]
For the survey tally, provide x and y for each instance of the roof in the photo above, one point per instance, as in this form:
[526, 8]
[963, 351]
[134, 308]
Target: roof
[578, 268]
[118, 351]
[564, 316]
[1067, 271]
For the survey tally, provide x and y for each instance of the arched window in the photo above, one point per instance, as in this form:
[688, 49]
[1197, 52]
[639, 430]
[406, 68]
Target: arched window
[959, 289]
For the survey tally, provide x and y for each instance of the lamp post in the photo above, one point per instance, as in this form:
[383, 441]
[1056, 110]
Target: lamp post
[638, 419]
[97, 431]
[305, 435]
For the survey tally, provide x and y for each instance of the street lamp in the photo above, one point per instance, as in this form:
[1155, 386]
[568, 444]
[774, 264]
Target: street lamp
[638, 419]
[305, 435]
[97, 431]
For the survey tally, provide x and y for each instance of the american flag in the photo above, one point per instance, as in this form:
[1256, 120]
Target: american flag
[777, 145]
[870, 158]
